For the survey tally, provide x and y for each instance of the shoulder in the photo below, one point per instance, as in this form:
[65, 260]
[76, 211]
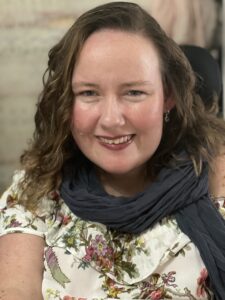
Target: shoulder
[15, 217]
[217, 175]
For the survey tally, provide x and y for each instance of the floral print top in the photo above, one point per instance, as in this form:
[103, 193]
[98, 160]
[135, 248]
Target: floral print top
[85, 260]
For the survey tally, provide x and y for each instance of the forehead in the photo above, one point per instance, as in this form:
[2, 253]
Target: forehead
[108, 37]
[123, 48]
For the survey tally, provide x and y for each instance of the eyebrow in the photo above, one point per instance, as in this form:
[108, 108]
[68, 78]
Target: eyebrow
[136, 83]
[126, 84]
[83, 83]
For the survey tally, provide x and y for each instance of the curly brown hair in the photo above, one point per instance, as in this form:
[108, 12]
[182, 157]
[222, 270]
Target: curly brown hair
[191, 126]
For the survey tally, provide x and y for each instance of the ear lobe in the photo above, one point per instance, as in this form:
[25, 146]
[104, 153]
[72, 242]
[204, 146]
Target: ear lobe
[169, 103]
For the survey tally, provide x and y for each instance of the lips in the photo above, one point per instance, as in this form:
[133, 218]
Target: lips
[117, 140]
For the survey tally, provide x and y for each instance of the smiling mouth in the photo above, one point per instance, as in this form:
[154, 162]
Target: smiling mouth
[116, 141]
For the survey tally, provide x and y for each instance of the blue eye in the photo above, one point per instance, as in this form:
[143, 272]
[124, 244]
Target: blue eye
[87, 96]
[135, 93]
[88, 93]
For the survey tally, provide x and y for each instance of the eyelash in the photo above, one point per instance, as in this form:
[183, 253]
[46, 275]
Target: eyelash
[135, 93]
[88, 93]
[91, 96]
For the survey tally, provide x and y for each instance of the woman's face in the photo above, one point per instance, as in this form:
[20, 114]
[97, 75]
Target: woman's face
[117, 117]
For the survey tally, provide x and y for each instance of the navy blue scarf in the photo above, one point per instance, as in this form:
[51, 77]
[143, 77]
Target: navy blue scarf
[176, 191]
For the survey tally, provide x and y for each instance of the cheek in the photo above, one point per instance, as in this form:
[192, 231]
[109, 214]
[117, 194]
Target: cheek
[82, 122]
[150, 117]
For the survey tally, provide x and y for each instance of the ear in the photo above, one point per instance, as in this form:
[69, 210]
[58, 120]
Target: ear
[169, 103]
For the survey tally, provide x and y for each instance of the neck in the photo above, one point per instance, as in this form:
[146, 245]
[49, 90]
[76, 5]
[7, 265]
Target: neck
[125, 185]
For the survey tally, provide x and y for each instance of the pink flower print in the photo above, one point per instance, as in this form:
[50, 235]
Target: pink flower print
[156, 295]
[90, 251]
[14, 223]
[66, 220]
[169, 279]
[99, 252]
[203, 276]
[89, 254]
[99, 245]
[201, 289]
[104, 262]
[110, 252]
[110, 282]
[63, 219]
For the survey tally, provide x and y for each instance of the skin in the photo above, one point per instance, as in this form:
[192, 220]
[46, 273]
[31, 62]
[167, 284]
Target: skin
[118, 95]
[217, 176]
[21, 272]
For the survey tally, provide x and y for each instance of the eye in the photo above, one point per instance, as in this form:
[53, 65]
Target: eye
[135, 93]
[87, 96]
[87, 93]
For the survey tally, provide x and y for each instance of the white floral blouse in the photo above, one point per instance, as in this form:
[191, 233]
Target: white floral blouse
[85, 260]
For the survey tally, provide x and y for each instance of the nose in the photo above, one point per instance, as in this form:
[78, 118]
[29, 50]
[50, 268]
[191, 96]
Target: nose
[111, 113]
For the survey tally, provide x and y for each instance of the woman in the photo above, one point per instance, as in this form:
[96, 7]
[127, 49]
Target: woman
[113, 200]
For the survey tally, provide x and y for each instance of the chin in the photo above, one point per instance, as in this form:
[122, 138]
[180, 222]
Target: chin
[118, 170]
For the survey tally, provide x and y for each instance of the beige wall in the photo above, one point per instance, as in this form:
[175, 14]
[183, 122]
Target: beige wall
[28, 28]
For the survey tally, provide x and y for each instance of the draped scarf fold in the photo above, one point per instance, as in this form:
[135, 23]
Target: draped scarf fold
[176, 191]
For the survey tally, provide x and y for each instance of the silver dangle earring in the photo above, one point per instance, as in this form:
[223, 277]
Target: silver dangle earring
[167, 116]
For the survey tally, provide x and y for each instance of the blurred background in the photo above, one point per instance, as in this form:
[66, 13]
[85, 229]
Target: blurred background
[29, 28]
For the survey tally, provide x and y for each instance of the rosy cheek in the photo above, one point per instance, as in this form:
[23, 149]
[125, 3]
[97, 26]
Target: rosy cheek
[149, 117]
[82, 121]
[79, 125]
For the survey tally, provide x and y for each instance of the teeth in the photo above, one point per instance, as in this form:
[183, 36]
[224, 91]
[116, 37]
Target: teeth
[117, 141]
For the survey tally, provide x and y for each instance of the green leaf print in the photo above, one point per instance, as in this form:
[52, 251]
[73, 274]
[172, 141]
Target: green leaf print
[54, 267]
